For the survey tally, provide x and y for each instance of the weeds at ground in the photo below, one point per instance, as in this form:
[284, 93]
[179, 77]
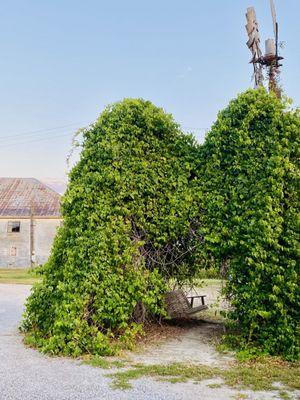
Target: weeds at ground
[284, 395]
[214, 385]
[104, 363]
[240, 396]
[258, 375]
[170, 373]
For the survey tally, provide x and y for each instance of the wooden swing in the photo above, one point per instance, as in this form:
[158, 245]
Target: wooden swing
[180, 306]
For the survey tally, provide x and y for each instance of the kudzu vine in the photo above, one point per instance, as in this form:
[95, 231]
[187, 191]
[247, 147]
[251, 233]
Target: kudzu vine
[146, 206]
[129, 219]
[250, 196]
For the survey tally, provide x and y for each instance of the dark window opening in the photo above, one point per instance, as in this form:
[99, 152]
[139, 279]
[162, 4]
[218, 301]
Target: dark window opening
[13, 226]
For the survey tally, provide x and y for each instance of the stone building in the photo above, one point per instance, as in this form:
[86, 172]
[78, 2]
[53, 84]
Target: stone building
[29, 217]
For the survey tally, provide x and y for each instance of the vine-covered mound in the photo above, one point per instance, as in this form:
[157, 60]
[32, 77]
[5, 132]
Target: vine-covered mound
[128, 215]
[250, 187]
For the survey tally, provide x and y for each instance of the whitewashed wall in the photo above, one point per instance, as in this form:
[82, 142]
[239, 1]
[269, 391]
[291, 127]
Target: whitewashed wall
[19, 240]
[44, 231]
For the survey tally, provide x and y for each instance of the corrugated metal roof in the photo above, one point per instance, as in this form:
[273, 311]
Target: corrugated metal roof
[23, 196]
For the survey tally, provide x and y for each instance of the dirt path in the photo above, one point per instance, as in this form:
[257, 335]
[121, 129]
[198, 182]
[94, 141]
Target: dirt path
[194, 345]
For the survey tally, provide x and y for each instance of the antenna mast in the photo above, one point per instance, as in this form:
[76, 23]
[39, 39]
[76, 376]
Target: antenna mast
[254, 45]
[270, 60]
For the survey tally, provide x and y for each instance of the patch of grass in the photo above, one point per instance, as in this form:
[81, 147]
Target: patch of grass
[222, 348]
[174, 380]
[209, 273]
[104, 363]
[240, 396]
[233, 342]
[19, 276]
[212, 315]
[215, 385]
[169, 372]
[260, 374]
[206, 282]
[284, 395]
[255, 375]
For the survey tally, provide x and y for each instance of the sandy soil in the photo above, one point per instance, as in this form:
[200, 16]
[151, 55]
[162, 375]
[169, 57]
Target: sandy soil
[193, 344]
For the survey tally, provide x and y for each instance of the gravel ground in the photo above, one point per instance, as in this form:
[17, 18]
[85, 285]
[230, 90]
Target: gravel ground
[25, 374]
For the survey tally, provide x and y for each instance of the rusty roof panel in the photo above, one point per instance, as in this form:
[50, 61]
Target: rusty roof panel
[23, 196]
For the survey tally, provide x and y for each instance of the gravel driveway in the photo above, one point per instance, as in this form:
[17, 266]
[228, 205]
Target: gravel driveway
[25, 374]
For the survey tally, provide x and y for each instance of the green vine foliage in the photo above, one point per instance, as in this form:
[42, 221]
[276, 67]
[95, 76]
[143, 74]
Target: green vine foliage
[129, 216]
[250, 214]
[145, 206]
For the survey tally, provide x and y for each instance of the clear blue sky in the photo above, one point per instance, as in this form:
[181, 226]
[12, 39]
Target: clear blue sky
[62, 61]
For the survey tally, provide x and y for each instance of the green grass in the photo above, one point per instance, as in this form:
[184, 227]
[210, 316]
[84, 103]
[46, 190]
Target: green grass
[19, 276]
[212, 282]
[240, 396]
[284, 395]
[174, 373]
[210, 273]
[104, 363]
[214, 385]
[259, 375]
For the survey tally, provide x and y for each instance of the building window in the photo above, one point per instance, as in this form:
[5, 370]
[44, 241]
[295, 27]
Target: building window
[13, 226]
[13, 251]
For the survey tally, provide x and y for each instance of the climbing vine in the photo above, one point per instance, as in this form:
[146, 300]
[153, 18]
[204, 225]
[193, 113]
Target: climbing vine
[145, 206]
[129, 216]
[250, 196]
